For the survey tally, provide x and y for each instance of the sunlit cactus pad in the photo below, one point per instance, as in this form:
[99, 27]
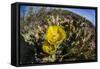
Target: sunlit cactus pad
[53, 35]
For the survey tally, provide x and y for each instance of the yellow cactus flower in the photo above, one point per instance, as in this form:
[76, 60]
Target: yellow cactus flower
[47, 48]
[55, 34]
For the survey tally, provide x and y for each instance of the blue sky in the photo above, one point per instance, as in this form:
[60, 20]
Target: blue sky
[89, 14]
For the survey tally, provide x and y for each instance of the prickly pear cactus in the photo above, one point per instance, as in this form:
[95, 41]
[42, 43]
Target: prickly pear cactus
[58, 36]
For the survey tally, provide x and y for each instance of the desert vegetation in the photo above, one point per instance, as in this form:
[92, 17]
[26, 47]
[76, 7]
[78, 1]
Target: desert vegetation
[57, 35]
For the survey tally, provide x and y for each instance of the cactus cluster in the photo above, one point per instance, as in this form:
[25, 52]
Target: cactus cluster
[58, 35]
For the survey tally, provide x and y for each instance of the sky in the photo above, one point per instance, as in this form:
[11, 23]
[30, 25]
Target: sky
[89, 14]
